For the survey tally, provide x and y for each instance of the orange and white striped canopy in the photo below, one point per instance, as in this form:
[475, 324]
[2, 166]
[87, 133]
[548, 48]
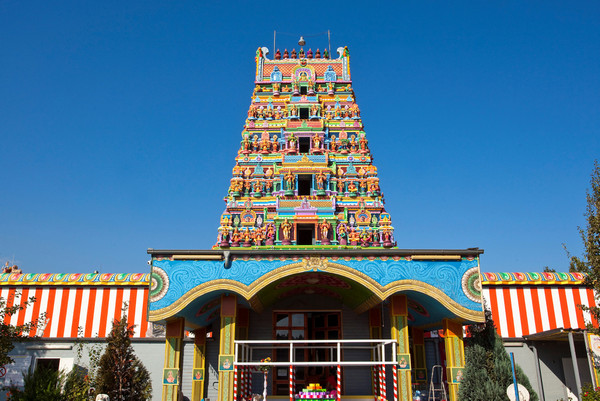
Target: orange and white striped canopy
[78, 311]
[522, 311]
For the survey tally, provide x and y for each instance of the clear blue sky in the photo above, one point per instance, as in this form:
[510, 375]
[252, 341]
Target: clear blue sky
[119, 122]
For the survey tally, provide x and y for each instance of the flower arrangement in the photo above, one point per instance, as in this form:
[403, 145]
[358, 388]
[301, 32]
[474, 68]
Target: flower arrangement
[265, 368]
[589, 393]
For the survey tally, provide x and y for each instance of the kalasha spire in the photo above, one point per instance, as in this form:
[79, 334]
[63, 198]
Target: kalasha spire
[304, 175]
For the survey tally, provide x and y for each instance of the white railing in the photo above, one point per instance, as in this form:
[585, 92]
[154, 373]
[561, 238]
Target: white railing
[244, 351]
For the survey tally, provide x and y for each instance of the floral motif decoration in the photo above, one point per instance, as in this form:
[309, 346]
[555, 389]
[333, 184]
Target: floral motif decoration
[471, 284]
[159, 284]
[417, 307]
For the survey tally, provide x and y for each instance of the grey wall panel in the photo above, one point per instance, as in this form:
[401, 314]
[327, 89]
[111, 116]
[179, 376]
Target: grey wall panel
[212, 363]
[188, 366]
[152, 355]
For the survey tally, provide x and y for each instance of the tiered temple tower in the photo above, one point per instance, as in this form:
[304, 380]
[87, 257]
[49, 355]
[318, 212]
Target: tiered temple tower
[304, 173]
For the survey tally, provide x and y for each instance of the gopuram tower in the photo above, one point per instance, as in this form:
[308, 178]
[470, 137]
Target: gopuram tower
[306, 294]
[304, 175]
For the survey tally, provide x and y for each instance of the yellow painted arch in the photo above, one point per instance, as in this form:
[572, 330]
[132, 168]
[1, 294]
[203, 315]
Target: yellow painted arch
[380, 293]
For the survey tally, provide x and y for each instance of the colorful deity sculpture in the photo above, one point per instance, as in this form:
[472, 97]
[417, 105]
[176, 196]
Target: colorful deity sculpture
[270, 235]
[314, 110]
[353, 236]
[333, 144]
[236, 237]
[325, 226]
[246, 145]
[321, 178]
[292, 144]
[290, 181]
[258, 237]
[257, 189]
[342, 234]
[317, 141]
[352, 189]
[286, 228]
[330, 88]
[247, 237]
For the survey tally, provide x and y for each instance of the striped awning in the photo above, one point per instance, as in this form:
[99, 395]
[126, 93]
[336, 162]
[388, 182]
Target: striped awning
[78, 311]
[521, 310]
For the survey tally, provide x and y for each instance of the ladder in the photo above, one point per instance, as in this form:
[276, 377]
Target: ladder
[436, 392]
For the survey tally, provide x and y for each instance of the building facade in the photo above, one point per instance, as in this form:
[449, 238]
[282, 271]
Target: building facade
[306, 286]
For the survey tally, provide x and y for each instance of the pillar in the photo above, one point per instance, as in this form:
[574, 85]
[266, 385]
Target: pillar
[399, 320]
[226, 347]
[199, 371]
[172, 367]
[420, 366]
[455, 356]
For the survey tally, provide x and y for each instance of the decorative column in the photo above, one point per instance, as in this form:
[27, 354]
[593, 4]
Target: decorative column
[420, 367]
[399, 317]
[172, 368]
[455, 356]
[198, 372]
[226, 347]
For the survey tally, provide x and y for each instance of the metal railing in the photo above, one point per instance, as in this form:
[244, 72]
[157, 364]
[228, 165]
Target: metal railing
[380, 348]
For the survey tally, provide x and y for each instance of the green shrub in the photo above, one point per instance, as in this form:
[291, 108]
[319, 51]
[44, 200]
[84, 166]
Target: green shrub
[42, 384]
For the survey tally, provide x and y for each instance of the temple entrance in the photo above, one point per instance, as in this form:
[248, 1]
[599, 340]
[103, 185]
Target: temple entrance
[300, 325]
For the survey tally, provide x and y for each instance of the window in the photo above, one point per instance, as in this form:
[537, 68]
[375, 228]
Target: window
[304, 145]
[48, 363]
[58, 364]
[299, 325]
[306, 234]
[304, 184]
[304, 113]
[303, 90]
[289, 326]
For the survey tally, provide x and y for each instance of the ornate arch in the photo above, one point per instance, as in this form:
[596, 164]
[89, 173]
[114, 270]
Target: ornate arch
[380, 293]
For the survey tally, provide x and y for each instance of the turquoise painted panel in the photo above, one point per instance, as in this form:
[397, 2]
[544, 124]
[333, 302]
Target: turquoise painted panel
[444, 275]
[183, 275]
[180, 276]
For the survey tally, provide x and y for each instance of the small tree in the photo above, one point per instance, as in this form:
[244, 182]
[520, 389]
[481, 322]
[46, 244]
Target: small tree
[121, 375]
[82, 378]
[590, 235]
[488, 371]
[9, 334]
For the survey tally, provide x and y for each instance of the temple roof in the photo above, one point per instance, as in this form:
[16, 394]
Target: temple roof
[304, 175]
